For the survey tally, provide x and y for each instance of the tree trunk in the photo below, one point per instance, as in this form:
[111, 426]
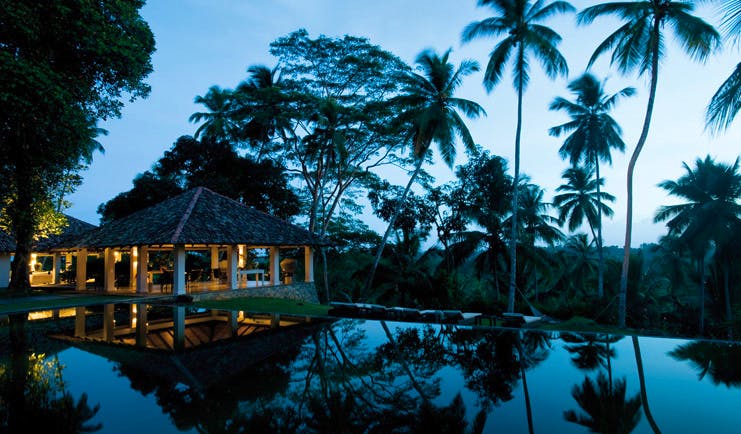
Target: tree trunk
[515, 193]
[397, 211]
[642, 380]
[727, 292]
[600, 253]
[631, 168]
[701, 291]
[23, 222]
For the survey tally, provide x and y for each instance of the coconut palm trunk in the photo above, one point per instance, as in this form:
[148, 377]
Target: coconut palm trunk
[600, 253]
[701, 291]
[631, 168]
[515, 198]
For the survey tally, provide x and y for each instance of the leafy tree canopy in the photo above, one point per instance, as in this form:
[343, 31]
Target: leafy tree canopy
[65, 64]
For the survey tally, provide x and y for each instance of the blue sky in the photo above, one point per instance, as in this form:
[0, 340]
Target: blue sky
[205, 42]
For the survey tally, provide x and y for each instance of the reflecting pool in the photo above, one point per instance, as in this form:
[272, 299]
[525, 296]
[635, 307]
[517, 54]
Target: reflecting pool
[169, 368]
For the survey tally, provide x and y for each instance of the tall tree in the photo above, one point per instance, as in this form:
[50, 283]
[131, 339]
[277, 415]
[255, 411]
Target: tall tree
[594, 133]
[487, 206]
[638, 44]
[524, 37]
[337, 91]
[712, 210]
[430, 114]
[65, 65]
[726, 101]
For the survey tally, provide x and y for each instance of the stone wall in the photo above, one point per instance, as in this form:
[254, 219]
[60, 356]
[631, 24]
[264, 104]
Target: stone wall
[299, 291]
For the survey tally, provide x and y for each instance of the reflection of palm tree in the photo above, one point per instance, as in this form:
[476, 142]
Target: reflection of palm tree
[722, 361]
[519, 21]
[590, 351]
[605, 409]
[642, 380]
[531, 349]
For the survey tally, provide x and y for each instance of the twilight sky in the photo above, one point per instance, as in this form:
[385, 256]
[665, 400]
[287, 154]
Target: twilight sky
[205, 42]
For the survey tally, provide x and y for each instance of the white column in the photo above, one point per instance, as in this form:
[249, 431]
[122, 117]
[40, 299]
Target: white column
[57, 268]
[274, 266]
[308, 264]
[214, 258]
[232, 262]
[81, 277]
[242, 256]
[142, 263]
[132, 268]
[109, 270]
[4, 270]
[178, 278]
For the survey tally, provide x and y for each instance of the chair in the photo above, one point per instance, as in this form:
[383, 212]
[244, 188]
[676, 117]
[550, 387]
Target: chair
[166, 280]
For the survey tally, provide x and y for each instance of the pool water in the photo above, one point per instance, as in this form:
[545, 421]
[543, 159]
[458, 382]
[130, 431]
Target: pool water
[236, 372]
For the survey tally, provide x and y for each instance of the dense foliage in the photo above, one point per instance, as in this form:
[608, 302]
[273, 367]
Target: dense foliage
[64, 64]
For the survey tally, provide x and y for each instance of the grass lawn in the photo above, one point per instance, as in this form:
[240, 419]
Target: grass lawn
[264, 304]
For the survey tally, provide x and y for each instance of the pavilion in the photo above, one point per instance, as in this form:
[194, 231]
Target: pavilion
[58, 246]
[196, 220]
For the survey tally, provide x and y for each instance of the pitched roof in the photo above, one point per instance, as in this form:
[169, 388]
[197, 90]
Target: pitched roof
[200, 216]
[69, 237]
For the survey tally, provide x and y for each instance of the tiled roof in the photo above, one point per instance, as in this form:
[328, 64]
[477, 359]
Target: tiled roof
[200, 216]
[69, 238]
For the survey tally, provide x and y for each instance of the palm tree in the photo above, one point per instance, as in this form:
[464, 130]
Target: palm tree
[524, 36]
[430, 111]
[639, 44]
[712, 210]
[260, 107]
[218, 123]
[594, 133]
[726, 102]
[582, 200]
[535, 225]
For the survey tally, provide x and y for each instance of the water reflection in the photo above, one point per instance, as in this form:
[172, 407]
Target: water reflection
[33, 396]
[215, 371]
[720, 360]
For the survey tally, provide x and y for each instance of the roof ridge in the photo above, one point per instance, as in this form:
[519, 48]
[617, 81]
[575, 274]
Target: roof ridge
[186, 215]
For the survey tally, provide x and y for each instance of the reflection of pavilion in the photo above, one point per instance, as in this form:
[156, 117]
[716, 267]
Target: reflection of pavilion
[198, 220]
[179, 344]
